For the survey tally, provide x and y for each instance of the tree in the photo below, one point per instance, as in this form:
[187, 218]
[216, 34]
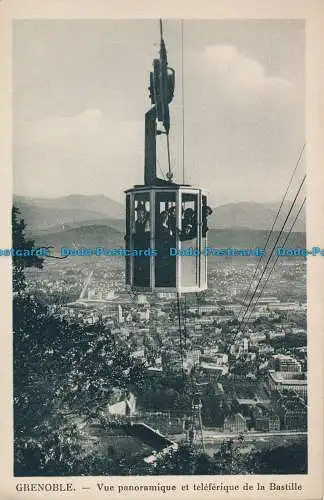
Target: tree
[229, 460]
[213, 410]
[290, 459]
[181, 461]
[39, 376]
[19, 241]
[60, 370]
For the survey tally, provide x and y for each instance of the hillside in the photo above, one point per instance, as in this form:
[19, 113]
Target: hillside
[57, 214]
[252, 215]
[93, 203]
[85, 236]
[69, 211]
[109, 237]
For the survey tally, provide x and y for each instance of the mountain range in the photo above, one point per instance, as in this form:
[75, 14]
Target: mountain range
[105, 236]
[54, 215]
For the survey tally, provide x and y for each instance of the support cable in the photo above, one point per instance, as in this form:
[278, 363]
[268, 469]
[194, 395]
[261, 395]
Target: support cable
[276, 260]
[182, 92]
[185, 322]
[273, 248]
[271, 230]
[180, 332]
[169, 173]
[161, 169]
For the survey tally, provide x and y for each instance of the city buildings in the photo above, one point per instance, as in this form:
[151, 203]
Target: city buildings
[235, 423]
[254, 367]
[289, 381]
[284, 363]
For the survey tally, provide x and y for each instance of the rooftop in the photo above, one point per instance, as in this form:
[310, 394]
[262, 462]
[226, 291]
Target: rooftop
[297, 378]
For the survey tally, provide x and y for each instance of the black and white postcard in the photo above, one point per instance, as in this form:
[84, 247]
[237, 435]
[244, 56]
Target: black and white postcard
[161, 249]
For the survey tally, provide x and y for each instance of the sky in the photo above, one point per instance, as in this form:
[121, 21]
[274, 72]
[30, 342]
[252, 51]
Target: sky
[80, 96]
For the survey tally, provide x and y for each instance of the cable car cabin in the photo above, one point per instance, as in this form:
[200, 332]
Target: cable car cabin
[166, 237]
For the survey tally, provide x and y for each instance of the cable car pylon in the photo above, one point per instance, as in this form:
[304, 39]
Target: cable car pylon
[193, 425]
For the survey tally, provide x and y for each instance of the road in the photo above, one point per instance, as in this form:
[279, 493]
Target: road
[252, 440]
[251, 435]
[213, 436]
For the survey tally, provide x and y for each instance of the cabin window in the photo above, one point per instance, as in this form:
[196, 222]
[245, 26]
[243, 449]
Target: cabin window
[127, 242]
[189, 262]
[165, 238]
[189, 216]
[206, 212]
[141, 236]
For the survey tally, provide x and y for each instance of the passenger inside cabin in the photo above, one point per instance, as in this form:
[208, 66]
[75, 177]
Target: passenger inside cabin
[164, 263]
[172, 220]
[141, 240]
[206, 211]
[163, 229]
[142, 220]
[189, 225]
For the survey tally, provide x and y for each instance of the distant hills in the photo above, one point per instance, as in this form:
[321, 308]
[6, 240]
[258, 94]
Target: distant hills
[99, 204]
[85, 236]
[105, 236]
[72, 213]
[57, 214]
[253, 216]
